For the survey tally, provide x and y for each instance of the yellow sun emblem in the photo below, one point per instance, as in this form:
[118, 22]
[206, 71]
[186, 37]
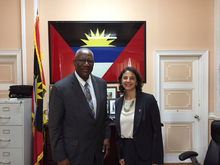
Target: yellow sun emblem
[96, 40]
[38, 90]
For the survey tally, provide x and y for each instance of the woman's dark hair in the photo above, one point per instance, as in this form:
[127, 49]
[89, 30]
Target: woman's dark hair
[138, 77]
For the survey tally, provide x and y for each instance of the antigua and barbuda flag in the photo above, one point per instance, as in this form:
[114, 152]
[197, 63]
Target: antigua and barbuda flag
[39, 89]
[115, 45]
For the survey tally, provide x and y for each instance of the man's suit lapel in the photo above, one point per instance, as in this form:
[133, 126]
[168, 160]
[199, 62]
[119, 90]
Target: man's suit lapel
[138, 112]
[79, 93]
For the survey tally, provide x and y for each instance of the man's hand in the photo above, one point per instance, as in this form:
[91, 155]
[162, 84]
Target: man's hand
[64, 162]
[122, 162]
[106, 147]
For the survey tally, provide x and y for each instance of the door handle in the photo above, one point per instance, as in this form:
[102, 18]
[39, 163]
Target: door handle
[196, 117]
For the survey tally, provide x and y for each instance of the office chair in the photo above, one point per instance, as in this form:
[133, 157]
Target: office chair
[213, 153]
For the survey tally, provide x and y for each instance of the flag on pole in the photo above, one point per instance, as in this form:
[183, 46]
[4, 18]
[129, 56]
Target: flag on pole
[39, 90]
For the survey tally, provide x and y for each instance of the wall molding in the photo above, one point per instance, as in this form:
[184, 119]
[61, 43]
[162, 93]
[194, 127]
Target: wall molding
[23, 41]
[217, 58]
[213, 116]
[17, 56]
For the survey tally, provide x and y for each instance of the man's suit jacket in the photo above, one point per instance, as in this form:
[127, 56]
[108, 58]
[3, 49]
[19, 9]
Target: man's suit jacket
[74, 132]
[147, 128]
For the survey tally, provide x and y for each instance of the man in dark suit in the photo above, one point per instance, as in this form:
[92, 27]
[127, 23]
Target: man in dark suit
[79, 128]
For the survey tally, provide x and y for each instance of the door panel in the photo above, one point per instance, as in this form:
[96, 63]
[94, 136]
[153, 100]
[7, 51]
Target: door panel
[175, 132]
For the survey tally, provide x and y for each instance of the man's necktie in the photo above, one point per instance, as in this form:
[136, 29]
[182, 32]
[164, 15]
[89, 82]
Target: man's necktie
[89, 97]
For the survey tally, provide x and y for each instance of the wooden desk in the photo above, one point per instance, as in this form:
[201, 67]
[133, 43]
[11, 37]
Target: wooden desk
[112, 158]
[48, 160]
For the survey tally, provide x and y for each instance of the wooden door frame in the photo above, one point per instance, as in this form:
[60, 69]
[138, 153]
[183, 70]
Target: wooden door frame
[203, 57]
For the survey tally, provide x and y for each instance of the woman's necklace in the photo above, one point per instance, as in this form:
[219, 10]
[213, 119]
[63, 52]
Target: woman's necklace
[132, 103]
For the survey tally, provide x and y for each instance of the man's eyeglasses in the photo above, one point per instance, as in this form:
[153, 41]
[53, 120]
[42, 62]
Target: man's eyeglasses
[82, 61]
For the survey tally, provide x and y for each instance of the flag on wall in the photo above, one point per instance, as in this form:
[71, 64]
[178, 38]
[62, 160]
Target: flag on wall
[115, 45]
[39, 90]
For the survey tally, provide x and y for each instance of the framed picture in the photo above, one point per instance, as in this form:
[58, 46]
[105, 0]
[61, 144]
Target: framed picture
[111, 106]
[111, 92]
[115, 45]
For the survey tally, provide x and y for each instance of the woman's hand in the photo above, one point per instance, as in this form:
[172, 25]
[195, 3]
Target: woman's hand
[122, 162]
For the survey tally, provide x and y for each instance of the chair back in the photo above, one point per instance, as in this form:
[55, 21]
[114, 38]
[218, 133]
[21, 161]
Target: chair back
[213, 152]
